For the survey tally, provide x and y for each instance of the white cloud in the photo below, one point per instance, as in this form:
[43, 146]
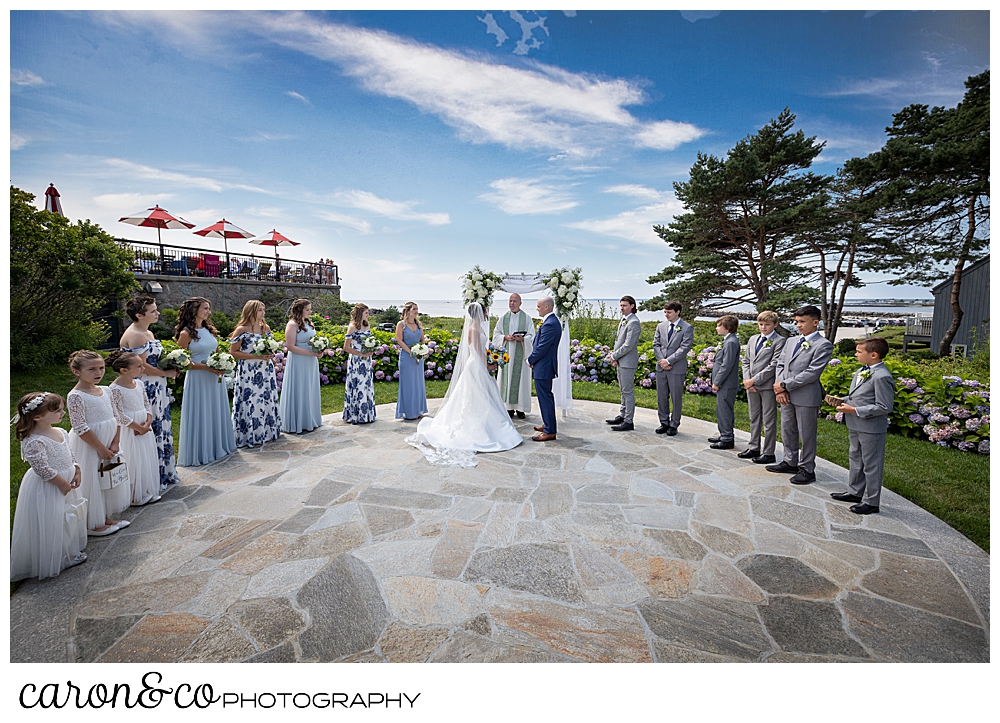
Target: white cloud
[25, 77]
[522, 196]
[17, 142]
[528, 41]
[398, 210]
[128, 203]
[539, 106]
[635, 191]
[297, 96]
[935, 88]
[127, 169]
[262, 137]
[358, 224]
[265, 211]
[635, 225]
[493, 29]
[693, 16]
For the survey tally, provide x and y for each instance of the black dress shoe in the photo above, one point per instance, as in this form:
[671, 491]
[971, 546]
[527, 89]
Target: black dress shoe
[782, 466]
[520, 414]
[510, 412]
[715, 439]
[623, 427]
[803, 478]
[662, 429]
[749, 454]
[863, 509]
[617, 420]
[764, 459]
[672, 432]
[845, 497]
[723, 445]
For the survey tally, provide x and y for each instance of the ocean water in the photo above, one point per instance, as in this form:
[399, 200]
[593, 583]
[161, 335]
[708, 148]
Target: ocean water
[448, 307]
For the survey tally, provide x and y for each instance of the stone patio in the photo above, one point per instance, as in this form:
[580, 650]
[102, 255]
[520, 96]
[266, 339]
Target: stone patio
[345, 545]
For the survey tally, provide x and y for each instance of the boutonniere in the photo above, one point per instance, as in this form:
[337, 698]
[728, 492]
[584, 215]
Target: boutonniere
[768, 343]
[864, 374]
[806, 344]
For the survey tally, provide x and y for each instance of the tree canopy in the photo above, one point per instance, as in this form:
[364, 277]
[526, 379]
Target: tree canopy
[60, 273]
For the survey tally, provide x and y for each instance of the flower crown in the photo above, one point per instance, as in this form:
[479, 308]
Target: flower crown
[29, 407]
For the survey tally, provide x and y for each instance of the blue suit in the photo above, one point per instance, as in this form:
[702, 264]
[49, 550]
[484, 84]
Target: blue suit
[545, 367]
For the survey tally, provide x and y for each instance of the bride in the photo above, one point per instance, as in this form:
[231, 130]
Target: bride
[473, 417]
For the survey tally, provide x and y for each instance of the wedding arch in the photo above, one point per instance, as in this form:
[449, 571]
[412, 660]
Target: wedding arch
[564, 287]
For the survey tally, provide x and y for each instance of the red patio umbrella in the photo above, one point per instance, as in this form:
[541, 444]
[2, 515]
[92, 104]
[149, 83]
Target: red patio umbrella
[52, 202]
[155, 217]
[224, 230]
[273, 238]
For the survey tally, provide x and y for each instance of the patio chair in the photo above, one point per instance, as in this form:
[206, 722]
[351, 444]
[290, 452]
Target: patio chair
[211, 265]
[193, 264]
[264, 271]
[244, 271]
[178, 267]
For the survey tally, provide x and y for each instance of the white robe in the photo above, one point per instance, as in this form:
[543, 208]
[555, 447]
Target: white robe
[515, 396]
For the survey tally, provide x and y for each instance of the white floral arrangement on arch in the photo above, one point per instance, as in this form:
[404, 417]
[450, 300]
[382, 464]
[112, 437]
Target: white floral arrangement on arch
[565, 285]
[480, 286]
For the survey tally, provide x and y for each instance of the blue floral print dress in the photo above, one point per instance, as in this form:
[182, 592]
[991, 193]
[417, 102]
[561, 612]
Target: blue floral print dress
[359, 387]
[255, 397]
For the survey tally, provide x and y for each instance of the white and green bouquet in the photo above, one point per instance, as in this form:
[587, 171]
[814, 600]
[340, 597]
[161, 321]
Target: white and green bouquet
[565, 284]
[221, 361]
[480, 286]
[319, 344]
[179, 359]
[370, 343]
[419, 351]
[267, 345]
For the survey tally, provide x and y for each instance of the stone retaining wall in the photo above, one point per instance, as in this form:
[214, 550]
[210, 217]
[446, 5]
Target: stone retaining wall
[227, 294]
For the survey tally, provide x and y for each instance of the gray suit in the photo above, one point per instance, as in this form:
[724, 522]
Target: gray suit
[627, 355]
[800, 368]
[763, 408]
[873, 398]
[670, 382]
[726, 376]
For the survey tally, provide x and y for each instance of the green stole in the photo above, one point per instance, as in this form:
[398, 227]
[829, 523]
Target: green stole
[511, 374]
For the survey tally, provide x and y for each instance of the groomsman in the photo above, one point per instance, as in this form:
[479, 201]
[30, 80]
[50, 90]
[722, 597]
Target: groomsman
[726, 381]
[866, 411]
[671, 343]
[759, 361]
[625, 357]
[798, 390]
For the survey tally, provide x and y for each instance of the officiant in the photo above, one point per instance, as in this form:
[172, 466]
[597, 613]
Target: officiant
[515, 331]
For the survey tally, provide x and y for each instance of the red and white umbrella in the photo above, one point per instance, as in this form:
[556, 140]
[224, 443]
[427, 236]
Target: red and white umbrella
[52, 202]
[157, 218]
[224, 230]
[273, 238]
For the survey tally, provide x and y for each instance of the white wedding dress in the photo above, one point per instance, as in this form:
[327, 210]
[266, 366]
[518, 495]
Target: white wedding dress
[473, 417]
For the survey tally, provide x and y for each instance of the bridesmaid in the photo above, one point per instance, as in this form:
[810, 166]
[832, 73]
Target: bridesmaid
[359, 387]
[255, 396]
[412, 400]
[206, 424]
[138, 339]
[299, 405]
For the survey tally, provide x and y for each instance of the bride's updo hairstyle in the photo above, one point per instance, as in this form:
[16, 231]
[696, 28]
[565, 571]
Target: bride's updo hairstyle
[356, 313]
[473, 308]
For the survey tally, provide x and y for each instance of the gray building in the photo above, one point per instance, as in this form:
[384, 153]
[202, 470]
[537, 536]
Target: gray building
[974, 298]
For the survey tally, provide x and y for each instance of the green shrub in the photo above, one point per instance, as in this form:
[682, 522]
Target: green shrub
[845, 347]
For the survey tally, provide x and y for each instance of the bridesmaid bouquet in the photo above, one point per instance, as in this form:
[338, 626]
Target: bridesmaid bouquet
[267, 345]
[496, 356]
[370, 343]
[420, 351]
[221, 360]
[179, 359]
[319, 344]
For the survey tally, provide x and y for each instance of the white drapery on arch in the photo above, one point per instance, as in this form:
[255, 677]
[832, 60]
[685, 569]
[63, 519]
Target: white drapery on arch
[562, 385]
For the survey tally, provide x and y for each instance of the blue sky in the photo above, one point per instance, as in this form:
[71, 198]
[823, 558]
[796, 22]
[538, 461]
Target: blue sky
[409, 146]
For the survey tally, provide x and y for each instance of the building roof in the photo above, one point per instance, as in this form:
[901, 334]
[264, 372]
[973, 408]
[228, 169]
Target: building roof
[984, 260]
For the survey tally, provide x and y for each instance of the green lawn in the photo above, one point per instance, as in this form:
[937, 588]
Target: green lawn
[949, 484]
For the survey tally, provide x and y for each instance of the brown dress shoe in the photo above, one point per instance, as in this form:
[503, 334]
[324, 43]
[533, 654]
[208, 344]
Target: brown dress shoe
[540, 428]
[543, 437]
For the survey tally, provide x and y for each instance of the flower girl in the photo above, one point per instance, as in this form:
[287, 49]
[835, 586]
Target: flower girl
[94, 439]
[134, 414]
[50, 522]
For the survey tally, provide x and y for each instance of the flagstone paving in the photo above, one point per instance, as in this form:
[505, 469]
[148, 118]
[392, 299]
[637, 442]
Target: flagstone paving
[345, 545]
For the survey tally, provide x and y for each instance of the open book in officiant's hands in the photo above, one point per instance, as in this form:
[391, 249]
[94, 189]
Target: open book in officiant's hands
[833, 401]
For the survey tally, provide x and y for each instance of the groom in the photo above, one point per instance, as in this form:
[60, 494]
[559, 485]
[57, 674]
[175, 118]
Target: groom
[544, 365]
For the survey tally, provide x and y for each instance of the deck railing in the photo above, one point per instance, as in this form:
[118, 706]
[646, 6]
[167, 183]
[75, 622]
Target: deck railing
[154, 258]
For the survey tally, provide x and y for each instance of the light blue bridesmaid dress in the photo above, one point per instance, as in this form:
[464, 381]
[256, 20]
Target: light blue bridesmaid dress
[412, 399]
[206, 421]
[299, 404]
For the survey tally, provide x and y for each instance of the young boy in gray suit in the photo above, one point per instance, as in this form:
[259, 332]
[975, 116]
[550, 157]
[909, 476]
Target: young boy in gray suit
[758, 362]
[866, 411]
[726, 381]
